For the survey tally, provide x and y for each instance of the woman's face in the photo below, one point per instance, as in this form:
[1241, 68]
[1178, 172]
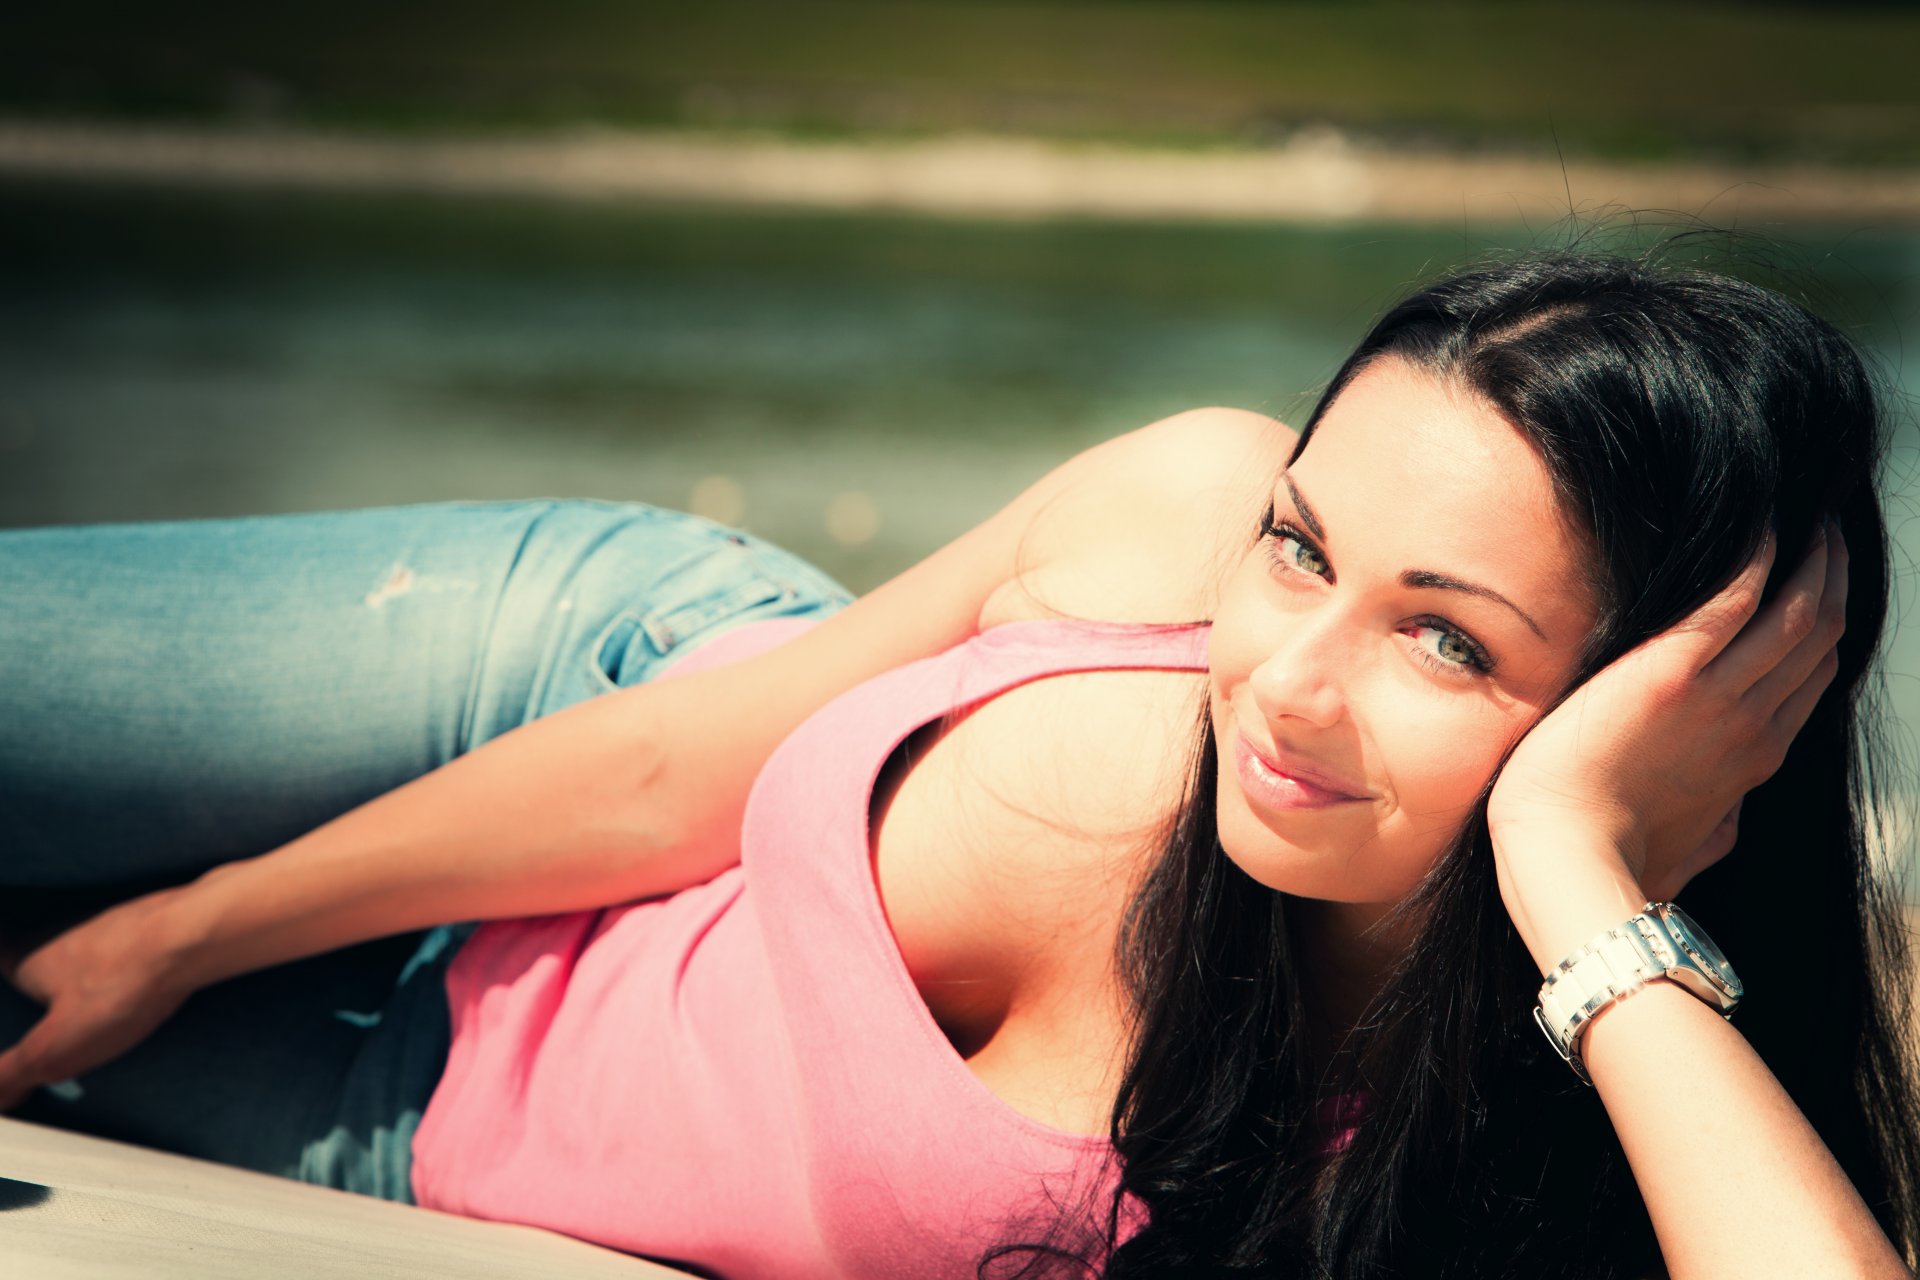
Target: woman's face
[1416, 603]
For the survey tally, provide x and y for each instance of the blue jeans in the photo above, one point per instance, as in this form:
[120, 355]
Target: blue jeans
[182, 694]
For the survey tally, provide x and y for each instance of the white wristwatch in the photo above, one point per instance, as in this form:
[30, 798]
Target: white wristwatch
[1661, 942]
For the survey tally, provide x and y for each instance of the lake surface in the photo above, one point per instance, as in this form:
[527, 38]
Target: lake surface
[857, 388]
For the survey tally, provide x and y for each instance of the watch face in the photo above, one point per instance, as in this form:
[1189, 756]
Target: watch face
[1701, 948]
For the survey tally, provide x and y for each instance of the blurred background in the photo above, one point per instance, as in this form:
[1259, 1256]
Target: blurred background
[851, 274]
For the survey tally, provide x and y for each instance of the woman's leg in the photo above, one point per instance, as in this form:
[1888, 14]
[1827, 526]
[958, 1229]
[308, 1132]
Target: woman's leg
[181, 694]
[206, 690]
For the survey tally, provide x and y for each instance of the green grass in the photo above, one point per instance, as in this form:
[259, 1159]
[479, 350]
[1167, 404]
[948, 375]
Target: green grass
[1743, 81]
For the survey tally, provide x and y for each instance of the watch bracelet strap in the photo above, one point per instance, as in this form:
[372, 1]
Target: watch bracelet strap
[1617, 963]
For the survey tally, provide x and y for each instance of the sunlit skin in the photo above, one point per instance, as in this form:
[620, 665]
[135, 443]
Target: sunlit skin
[1387, 697]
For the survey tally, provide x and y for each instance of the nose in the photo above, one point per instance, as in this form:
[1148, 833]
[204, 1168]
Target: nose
[1303, 676]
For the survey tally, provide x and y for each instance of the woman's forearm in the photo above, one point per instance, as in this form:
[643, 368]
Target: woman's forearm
[577, 810]
[1736, 1180]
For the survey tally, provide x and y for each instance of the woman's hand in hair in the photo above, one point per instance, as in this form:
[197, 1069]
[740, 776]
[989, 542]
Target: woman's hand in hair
[1631, 786]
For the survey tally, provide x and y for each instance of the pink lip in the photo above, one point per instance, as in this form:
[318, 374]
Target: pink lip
[1275, 780]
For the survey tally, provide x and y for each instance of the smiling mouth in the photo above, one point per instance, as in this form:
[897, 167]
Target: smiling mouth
[1282, 785]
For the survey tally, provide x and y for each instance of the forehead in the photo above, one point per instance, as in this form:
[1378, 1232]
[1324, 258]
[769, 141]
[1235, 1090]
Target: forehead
[1430, 475]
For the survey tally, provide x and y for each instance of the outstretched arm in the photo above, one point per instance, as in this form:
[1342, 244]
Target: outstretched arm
[1611, 801]
[635, 793]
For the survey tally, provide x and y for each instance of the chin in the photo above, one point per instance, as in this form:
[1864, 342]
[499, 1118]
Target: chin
[1334, 863]
[1285, 866]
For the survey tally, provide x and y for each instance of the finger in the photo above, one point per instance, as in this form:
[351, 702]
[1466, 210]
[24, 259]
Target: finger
[1714, 624]
[1773, 632]
[16, 970]
[1814, 653]
[1791, 671]
[1731, 818]
[60, 1046]
[1720, 839]
[20, 1071]
[1791, 717]
[16, 949]
[13, 1091]
[1717, 845]
[1691, 645]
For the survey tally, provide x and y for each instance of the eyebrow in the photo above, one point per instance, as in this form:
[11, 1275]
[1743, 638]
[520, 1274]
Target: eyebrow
[1418, 579]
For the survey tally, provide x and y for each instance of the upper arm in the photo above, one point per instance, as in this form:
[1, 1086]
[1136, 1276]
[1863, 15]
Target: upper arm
[1163, 514]
[1110, 529]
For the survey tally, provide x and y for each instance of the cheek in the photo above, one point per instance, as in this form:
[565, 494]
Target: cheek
[1236, 640]
[1437, 765]
[1438, 760]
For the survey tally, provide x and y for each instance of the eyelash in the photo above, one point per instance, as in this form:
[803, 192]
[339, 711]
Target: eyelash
[1479, 661]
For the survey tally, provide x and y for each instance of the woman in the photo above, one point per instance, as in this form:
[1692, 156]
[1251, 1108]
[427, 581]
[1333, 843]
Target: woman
[1220, 804]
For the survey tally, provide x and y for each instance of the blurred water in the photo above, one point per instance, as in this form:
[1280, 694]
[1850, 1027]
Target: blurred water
[857, 388]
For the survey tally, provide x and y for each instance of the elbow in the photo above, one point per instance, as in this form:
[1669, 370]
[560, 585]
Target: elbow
[668, 825]
[642, 801]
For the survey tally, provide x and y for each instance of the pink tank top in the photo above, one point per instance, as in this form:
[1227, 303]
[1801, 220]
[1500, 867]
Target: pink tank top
[742, 1076]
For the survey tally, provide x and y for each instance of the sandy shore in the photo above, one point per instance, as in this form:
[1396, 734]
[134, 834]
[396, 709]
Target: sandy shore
[1317, 177]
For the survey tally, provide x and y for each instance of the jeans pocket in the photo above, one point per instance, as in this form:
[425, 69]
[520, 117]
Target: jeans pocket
[710, 591]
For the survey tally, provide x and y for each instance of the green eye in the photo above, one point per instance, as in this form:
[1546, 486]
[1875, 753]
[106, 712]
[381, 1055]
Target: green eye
[1305, 557]
[1444, 648]
[1453, 648]
[1288, 550]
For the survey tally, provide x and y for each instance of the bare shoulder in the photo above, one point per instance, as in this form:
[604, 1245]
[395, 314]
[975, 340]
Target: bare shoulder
[1150, 522]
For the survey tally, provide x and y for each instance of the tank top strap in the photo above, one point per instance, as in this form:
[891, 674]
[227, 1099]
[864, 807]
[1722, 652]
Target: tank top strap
[1015, 652]
[1085, 644]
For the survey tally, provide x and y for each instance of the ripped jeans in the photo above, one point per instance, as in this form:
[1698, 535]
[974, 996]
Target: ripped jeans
[182, 694]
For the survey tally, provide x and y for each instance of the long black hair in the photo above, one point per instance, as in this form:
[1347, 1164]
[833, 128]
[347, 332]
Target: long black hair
[1682, 416]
